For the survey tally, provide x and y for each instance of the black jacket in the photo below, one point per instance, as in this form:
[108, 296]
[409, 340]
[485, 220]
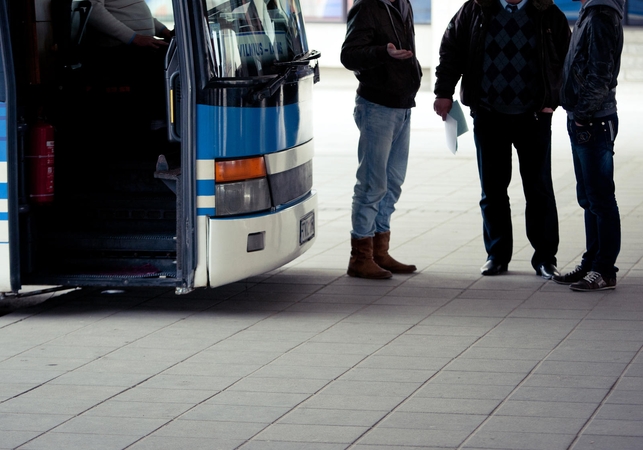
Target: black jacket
[372, 24]
[462, 51]
[594, 61]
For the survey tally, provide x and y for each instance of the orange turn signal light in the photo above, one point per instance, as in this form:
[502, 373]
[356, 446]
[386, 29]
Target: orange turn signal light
[239, 169]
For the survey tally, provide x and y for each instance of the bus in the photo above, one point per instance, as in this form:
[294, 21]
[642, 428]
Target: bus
[109, 182]
[633, 11]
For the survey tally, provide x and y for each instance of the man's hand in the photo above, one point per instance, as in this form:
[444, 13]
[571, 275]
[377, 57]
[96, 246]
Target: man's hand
[442, 106]
[398, 54]
[167, 34]
[148, 41]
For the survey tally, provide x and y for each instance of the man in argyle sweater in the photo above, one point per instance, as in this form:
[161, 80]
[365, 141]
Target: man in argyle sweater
[509, 55]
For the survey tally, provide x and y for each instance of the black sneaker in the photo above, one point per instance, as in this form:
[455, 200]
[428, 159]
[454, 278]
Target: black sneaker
[593, 281]
[571, 277]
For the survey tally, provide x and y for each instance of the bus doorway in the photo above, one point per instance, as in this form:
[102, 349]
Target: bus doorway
[103, 218]
[102, 190]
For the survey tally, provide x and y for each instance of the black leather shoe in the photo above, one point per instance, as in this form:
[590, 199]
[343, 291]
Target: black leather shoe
[547, 271]
[492, 268]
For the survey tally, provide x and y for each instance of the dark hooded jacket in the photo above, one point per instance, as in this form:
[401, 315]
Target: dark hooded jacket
[384, 80]
[594, 61]
[463, 45]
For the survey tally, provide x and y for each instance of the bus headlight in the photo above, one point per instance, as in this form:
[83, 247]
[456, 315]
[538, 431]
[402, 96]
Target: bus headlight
[242, 197]
[241, 186]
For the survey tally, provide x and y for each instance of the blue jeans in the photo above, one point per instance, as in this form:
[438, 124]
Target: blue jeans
[495, 134]
[593, 153]
[383, 153]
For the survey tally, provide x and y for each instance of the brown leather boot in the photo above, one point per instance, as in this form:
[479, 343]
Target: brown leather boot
[361, 264]
[383, 259]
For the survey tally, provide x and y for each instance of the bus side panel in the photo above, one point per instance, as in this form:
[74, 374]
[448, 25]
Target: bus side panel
[5, 267]
[228, 241]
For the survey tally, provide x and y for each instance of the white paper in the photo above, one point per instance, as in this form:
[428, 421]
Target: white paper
[454, 126]
[451, 128]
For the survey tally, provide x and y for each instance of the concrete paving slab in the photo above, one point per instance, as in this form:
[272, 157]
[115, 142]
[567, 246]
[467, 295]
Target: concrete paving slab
[59, 441]
[415, 438]
[518, 441]
[281, 445]
[170, 442]
[590, 442]
[544, 409]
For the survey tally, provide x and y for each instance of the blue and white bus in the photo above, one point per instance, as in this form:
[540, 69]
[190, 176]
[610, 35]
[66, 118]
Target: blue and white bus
[92, 193]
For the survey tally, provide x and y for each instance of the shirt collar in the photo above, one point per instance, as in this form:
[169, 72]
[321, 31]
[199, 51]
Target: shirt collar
[519, 5]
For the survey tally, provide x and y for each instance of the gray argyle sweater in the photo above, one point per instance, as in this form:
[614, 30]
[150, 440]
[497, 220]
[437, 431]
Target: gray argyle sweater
[510, 74]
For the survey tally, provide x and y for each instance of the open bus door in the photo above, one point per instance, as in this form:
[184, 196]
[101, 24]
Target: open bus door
[222, 193]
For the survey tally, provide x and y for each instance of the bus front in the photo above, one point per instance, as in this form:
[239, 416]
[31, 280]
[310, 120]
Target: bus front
[255, 203]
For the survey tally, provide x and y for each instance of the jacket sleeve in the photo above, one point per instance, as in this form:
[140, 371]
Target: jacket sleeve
[359, 51]
[601, 46]
[454, 51]
[556, 44]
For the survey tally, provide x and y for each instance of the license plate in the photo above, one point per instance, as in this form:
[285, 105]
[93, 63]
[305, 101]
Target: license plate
[307, 228]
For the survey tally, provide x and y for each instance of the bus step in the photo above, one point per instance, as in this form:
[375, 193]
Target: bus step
[107, 272]
[115, 243]
[169, 176]
[137, 270]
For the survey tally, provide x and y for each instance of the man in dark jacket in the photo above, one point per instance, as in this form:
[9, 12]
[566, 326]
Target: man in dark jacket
[588, 96]
[380, 49]
[509, 54]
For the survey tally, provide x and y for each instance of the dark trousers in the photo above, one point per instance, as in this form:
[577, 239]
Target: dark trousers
[593, 152]
[530, 134]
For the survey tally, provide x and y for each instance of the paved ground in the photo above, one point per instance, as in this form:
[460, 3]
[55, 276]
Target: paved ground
[308, 358]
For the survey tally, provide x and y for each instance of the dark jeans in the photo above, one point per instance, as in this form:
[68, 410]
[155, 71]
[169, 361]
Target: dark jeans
[593, 152]
[530, 134]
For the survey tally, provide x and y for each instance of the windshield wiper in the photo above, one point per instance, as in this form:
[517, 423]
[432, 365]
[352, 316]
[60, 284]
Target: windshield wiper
[271, 88]
[300, 60]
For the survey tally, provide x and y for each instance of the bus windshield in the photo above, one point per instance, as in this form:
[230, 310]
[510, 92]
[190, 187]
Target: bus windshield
[247, 37]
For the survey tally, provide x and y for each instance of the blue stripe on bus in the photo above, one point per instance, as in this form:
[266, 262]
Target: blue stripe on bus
[205, 211]
[3, 191]
[204, 187]
[229, 132]
[4, 216]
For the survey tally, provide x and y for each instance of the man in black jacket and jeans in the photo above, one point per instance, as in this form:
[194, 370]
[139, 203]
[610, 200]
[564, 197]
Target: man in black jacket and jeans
[509, 54]
[380, 49]
[589, 97]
